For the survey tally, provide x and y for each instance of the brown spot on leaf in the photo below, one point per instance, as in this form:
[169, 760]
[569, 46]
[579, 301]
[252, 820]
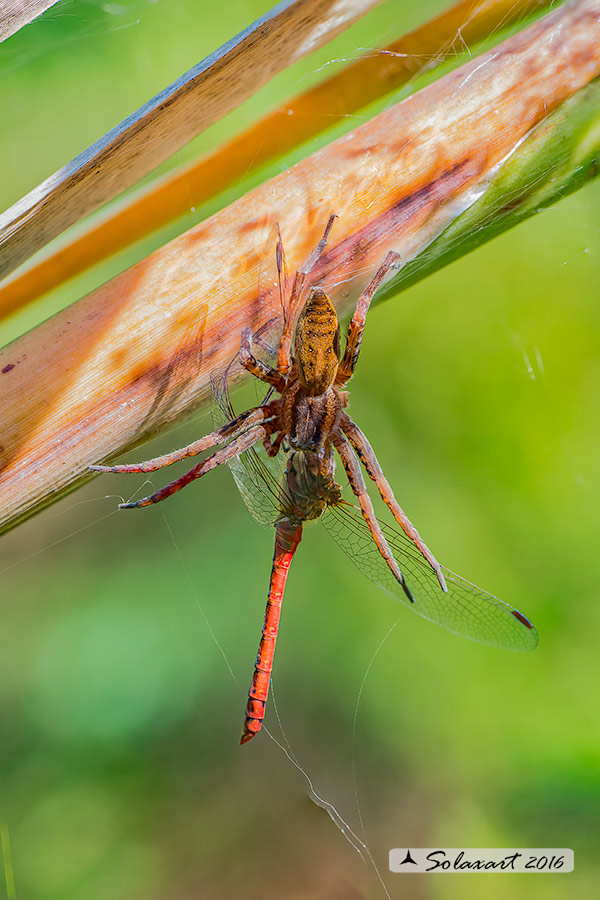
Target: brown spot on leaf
[355, 247]
[251, 225]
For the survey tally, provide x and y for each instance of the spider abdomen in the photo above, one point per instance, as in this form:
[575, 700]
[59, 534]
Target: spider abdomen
[317, 343]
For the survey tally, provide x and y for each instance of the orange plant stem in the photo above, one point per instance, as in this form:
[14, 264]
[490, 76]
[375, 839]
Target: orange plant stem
[151, 134]
[303, 117]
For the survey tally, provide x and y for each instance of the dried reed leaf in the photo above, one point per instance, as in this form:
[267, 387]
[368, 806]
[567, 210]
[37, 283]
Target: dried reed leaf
[180, 112]
[303, 117]
[15, 14]
[125, 360]
[558, 157]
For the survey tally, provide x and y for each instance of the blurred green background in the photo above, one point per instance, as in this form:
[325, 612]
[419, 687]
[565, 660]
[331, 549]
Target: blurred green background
[121, 774]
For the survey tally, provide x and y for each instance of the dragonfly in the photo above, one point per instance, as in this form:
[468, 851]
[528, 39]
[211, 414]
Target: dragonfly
[301, 424]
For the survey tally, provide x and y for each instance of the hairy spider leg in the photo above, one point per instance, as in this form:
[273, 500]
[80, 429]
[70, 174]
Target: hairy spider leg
[272, 449]
[284, 358]
[287, 538]
[237, 446]
[366, 454]
[357, 322]
[357, 483]
[281, 269]
[231, 429]
[257, 367]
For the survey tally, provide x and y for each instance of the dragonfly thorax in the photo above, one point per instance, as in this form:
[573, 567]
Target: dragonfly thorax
[310, 484]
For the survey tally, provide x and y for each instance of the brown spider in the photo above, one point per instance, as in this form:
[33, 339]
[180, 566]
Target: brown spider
[310, 413]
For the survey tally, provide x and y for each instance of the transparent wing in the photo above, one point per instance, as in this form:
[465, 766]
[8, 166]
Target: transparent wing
[466, 609]
[265, 344]
[259, 478]
[261, 491]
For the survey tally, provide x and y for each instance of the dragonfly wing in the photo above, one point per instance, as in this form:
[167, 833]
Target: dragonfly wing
[466, 609]
[259, 478]
[261, 489]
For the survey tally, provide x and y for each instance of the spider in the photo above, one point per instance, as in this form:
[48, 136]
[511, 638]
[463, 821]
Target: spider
[308, 420]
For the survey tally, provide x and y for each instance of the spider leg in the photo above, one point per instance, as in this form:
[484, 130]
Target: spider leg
[366, 454]
[357, 483]
[357, 322]
[237, 446]
[247, 419]
[284, 360]
[272, 449]
[255, 366]
[281, 269]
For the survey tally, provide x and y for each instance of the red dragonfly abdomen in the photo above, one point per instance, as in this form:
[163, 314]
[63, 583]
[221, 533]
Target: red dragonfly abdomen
[287, 537]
